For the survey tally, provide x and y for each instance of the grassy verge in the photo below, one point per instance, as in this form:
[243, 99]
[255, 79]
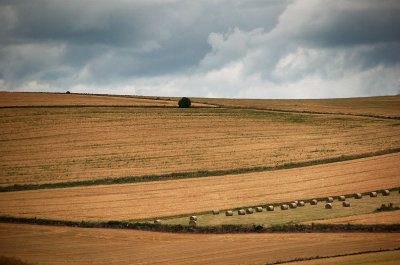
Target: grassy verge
[296, 228]
[184, 175]
[278, 217]
[333, 256]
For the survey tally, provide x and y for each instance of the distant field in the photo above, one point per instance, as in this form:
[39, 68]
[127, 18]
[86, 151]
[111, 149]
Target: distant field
[359, 209]
[381, 258]
[367, 219]
[175, 197]
[8, 99]
[42, 145]
[379, 106]
[68, 245]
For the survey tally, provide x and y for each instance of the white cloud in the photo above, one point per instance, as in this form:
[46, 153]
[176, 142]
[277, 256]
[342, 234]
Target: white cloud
[300, 49]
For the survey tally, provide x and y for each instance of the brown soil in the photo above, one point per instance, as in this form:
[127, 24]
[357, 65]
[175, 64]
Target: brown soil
[380, 106]
[66, 245]
[43, 145]
[167, 198]
[366, 219]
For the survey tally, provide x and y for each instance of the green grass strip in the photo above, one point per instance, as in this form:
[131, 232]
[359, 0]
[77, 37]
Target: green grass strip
[186, 175]
[333, 256]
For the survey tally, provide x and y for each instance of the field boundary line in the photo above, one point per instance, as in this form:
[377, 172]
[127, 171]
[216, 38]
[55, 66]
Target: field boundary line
[222, 229]
[195, 174]
[303, 111]
[333, 256]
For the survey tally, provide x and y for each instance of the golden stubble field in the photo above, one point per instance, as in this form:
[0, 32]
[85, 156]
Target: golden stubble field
[44, 145]
[175, 197]
[66, 245]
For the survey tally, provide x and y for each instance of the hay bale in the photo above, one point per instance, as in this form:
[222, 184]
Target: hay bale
[373, 194]
[313, 202]
[329, 199]
[301, 203]
[284, 207]
[328, 206]
[193, 218]
[215, 212]
[346, 204]
[158, 221]
[270, 208]
[385, 192]
[228, 213]
[342, 198]
[241, 212]
[296, 202]
[250, 210]
[192, 222]
[358, 196]
[293, 205]
[259, 209]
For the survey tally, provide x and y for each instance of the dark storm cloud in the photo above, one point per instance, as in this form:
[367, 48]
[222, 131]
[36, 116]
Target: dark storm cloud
[203, 48]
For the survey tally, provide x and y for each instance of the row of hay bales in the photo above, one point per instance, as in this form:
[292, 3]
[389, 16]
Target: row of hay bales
[295, 204]
[292, 205]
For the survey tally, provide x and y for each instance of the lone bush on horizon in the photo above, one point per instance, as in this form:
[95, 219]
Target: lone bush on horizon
[184, 102]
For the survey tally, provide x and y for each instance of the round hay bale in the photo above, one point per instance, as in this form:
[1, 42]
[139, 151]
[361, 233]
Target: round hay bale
[193, 218]
[284, 207]
[229, 213]
[313, 202]
[293, 205]
[328, 206]
[358, 196]
[346, 204]
[158, 221]
[259, 209]
[342, 198]
[385, 192]
[301, 203]
[250, 210]
[270, 208]
[296, 202]
[241, 212]
[373, 194]
[329, 199]
[215, 212]
[192, 222]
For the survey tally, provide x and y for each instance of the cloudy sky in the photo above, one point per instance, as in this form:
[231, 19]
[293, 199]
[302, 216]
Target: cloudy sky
[232, 48]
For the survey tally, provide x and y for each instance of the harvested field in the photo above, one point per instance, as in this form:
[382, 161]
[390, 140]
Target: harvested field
[381, 258]
[310, 213]
[376, 106]
[66, 245]
[10, 99]
[175, 197]
[48, 145]
[392, 217]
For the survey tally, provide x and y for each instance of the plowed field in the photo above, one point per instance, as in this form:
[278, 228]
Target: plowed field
[380, 106]
[166, 198]
[44, 145]
[65, 245]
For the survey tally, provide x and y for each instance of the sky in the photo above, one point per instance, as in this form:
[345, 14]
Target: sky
[215, 48]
